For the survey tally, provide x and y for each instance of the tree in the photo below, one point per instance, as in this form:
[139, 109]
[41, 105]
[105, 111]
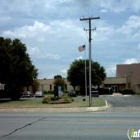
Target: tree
[57, 76]
[76, 73]
[35, 86]
[59, 82]
[16, 66]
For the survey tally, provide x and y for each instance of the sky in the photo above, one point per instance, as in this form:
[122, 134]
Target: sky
[52, 32]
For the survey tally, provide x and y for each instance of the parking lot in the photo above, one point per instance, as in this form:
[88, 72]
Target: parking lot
[127, 103]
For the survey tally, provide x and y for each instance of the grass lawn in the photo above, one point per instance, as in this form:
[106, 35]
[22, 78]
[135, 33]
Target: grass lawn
[37, 103]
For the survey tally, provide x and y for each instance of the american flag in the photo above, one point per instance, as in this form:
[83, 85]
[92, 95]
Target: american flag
[81, 48]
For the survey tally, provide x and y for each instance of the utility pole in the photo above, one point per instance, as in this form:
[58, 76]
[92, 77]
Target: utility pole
[89, 19]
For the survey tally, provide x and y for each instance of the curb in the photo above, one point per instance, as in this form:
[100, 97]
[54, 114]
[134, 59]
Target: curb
[54, 110]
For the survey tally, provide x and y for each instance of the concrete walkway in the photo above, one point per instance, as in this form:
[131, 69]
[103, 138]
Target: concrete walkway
[117, 94]
[54, 110]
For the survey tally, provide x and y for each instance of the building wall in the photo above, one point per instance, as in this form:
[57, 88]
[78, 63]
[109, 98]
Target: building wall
[115, 80]
[48, 84]
[127, 76]
[137, 88]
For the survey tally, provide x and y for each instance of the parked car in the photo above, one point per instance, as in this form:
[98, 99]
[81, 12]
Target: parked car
[27, 94]
[94, 92]
[39, 94]
[72, 93]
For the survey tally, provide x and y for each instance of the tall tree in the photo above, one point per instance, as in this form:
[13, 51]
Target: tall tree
[35, 86]
[16, 66]
[76, 73]
[59, 82]
[57, 76]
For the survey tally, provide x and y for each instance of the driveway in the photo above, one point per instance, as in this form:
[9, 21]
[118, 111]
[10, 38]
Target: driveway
[128, 103]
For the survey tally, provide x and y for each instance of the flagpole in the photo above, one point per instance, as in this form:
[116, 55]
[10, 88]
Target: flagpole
[85, 75]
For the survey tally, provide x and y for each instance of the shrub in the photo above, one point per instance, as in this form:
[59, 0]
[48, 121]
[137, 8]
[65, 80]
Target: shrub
[77, 91]
[57, 100]
[45, 92]
[105, 91]
[127, 91]
[51, 91]
[138, 93]
[66, 91]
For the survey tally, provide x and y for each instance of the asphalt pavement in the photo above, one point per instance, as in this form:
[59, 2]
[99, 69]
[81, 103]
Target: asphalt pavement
[68, 126]
[114, 123]
[126, 103]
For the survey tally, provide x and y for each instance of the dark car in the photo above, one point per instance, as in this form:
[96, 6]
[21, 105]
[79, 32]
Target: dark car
[27, 94]
[72, 93]
[94, 92]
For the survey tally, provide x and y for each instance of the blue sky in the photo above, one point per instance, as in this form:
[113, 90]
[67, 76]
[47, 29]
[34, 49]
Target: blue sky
[52, 32]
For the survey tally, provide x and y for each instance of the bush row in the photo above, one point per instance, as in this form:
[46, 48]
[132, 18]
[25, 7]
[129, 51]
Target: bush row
[127, 91]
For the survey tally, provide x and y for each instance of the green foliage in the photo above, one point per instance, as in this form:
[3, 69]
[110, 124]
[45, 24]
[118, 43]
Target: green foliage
[59, 82]
[57, 100]
[66, 91]
[35, 86]
[16, 69]
[45, 92]
[127, 91]
[105, 91]
[138, 93]
[57, 77]
[76, 73]
[16, 66]
[51, 91]
[77, 91]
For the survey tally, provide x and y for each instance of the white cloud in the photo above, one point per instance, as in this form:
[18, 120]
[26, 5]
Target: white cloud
[51, 76]
[120, 6]
[28, 31]
[40, 31]
[136, 35]
[35, 52]
[4, 20]
[132, 23]
[50, 56]
[80, 57]
[103, 11]
[111, 70]
[104, 31]
[41, 39]
[130, 61]
[63, 72]
[139, 46]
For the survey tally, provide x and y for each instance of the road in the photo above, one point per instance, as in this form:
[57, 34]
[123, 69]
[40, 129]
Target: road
[112, 124]
[67, 126]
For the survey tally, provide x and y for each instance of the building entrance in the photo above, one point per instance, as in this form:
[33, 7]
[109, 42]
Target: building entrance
[115, 88]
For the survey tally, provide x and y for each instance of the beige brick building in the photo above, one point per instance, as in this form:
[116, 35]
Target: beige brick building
[48, 84]
[127, 77]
